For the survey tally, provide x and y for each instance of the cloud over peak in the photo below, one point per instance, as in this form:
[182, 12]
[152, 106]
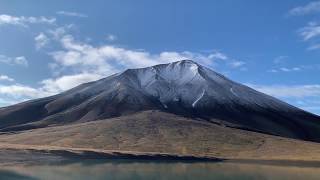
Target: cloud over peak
[108, 59]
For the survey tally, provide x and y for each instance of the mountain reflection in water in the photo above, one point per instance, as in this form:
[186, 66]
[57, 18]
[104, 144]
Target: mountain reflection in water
[120, 169]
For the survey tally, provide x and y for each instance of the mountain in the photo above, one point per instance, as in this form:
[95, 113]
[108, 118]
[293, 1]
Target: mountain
[182, 88]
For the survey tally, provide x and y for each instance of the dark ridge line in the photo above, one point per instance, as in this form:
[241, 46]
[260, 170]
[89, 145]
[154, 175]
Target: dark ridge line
[119, 155]
[93, 155]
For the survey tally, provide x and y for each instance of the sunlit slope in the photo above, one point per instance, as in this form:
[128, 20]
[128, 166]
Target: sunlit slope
[158, 132]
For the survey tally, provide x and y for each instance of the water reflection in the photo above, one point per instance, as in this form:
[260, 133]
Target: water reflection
[161, 170]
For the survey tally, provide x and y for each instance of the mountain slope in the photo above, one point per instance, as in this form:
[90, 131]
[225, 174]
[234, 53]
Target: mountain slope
[184, 88]
[158, 132]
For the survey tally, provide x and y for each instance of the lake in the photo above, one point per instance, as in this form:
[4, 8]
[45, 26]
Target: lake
[124, 169]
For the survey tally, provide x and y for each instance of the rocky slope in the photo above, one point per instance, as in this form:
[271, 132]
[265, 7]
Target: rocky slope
[181, 88]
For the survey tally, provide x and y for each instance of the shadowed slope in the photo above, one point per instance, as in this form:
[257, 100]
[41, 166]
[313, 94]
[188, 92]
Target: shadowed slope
[184, 88]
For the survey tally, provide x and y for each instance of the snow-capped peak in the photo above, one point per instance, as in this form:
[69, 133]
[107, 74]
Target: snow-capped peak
[173, 82]
[182, 87]
[180, 72]
[192, 84]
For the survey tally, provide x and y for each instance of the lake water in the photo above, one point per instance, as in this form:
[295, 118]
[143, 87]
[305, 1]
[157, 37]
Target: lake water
[117, 169]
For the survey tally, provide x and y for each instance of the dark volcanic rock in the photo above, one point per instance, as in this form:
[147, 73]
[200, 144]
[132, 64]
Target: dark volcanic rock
[184, 87]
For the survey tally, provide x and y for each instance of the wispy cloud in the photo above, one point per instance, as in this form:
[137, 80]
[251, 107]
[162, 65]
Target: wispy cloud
[24, 21]
[311, 34]
[215, 54]
[280, 59]
[306, 97]
[236, 64]
[73, 14]
[312, 30]
[285, 69]
[41, 40]
[287, 91]
[312, 7]
[20, 60]
[59, 32]
[314, 47]
[6, 78]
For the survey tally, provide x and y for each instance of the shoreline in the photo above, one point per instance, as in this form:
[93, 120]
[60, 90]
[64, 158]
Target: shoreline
[25, 154]
[13, 154]
[276, 162]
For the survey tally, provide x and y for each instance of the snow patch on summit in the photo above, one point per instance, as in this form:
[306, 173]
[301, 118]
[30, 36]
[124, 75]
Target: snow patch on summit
[180, 73]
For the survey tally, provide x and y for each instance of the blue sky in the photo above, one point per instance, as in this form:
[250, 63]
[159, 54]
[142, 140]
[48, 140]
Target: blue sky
[47, 47]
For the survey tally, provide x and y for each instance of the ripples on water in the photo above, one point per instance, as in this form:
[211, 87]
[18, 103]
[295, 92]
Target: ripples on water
[161, 170]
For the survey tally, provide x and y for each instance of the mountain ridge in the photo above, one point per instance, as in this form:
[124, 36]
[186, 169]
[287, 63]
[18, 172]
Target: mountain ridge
[183, 87]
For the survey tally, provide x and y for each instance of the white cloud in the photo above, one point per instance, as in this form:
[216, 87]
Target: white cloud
[312, 7]
[218, 55]
[20, 60]
[10, 94]
[53, 86]
[5, 78]
[303, 96]
[286, 91]
[24, 21]
[236, 64]
[73, 14]
[41, 40]
[59, 32]
[108, 59]
[310, 31]
[20, 91]
[286, 69]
